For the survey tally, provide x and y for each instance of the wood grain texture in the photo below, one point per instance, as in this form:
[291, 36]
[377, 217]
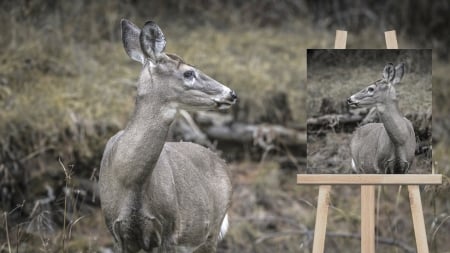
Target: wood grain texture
[341, 39]
[320, 228]
[391, 39]
[368, 218]
[369, 179]
[418, 220]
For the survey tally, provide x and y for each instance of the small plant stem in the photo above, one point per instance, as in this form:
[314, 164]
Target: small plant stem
[7, 232]
[67, 180]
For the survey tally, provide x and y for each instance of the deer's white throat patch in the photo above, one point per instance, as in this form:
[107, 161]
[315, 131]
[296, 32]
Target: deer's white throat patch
[169, 111]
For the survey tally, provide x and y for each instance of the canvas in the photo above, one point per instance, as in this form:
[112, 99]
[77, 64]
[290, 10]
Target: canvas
[369, 111]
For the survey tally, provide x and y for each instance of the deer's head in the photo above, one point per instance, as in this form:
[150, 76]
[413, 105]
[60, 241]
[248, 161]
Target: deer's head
[167, 77]
[380, 91]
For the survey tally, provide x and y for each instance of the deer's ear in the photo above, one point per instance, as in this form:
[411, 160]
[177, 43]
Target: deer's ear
[389, 72]
[399, 73]
[152, 41]
[130, 40]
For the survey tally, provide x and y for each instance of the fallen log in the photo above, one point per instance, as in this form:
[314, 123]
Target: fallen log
[334, 120]
[262, 135]
[221, 127]
[421, 121]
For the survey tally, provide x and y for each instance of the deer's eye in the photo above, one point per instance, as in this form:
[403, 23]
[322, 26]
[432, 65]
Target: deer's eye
[189, 74]
[370, 89]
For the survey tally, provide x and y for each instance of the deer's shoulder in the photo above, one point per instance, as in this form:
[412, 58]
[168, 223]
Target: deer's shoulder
[193, 154]
[370, 128]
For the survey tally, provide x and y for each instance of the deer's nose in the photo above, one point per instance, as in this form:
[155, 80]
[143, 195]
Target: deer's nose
[349, 100]
[233, 95]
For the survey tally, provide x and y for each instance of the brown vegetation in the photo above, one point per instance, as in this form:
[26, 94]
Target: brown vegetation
[66, 86]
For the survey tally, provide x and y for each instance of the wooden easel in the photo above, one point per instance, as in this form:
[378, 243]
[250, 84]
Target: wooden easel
[368, 183]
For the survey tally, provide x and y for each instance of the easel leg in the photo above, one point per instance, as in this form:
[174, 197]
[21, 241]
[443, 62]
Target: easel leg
[321, 218]
[418, 220]
[367, 218]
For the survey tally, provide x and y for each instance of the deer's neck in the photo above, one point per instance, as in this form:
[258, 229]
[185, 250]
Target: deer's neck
[393, 122]
[143, 139]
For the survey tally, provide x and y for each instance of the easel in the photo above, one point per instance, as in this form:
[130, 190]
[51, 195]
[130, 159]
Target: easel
[368, 183]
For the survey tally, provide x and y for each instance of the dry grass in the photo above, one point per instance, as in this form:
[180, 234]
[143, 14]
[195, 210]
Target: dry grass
[66, 86]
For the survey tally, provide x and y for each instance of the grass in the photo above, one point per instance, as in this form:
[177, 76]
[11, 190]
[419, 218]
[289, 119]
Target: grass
[66, 86]
[355, 70]
[68, 100]
[87, 90]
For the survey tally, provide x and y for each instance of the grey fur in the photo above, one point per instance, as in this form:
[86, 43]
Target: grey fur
[157, 195]
[386, 147]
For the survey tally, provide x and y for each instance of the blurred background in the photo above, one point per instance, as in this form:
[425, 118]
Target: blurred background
[66, 86]
[335, 75]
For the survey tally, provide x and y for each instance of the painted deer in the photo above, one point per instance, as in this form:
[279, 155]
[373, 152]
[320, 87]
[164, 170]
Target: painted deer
[386, 147]
[156, 195]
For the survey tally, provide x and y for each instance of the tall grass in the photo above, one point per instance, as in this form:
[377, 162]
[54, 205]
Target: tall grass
[66, 86]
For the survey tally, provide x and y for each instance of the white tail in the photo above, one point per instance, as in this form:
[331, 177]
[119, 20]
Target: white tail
[224, 227]
[386, 147]
[158, 195]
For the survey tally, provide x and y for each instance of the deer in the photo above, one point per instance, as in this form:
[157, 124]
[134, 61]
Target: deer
[386, 147]
[157, 195]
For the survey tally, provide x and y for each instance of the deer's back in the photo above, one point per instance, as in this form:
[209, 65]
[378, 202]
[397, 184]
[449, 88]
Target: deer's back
[373, 151]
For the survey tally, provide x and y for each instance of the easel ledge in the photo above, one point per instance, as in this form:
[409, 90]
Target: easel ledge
[369, 179]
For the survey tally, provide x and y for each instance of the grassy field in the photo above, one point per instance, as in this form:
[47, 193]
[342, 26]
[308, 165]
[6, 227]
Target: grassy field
[66, 86]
